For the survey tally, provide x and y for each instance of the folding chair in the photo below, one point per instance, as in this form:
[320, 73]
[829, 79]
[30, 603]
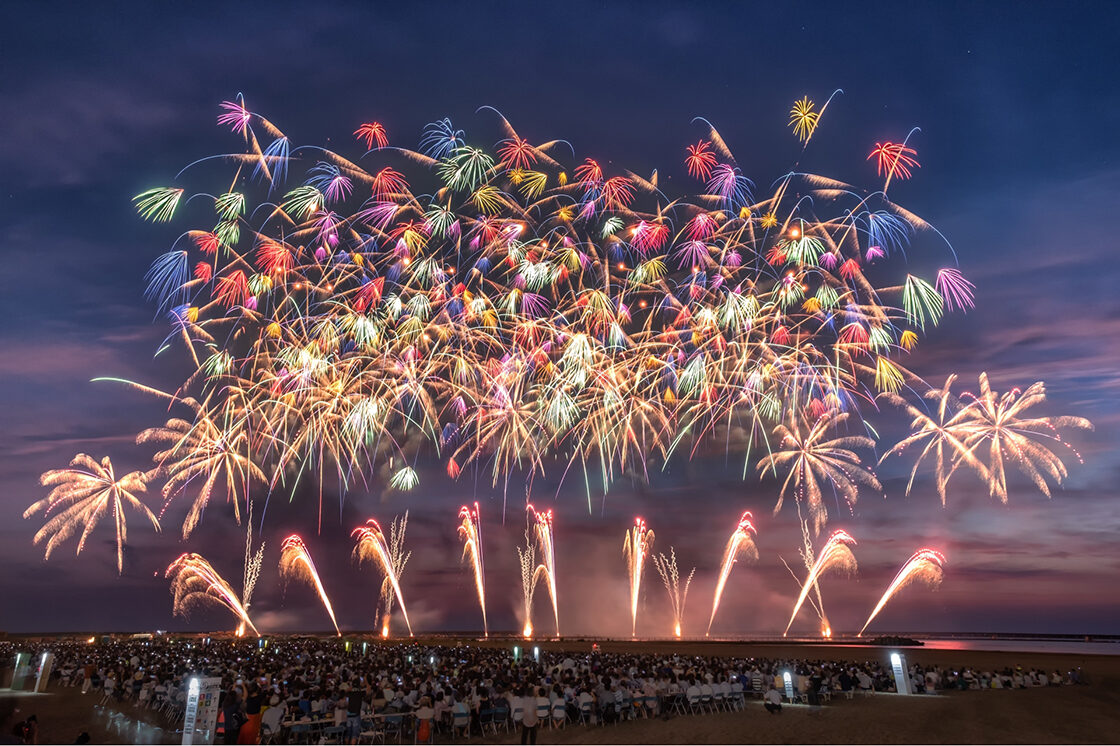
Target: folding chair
[332, 734]
[678, 705]
[559, 714]
[461, 720]
[371, 733]
[394, 726]
[486, 721]
[501, 719]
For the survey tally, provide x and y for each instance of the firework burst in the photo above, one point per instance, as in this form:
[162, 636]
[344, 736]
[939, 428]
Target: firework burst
[84, 494]
[834, 555]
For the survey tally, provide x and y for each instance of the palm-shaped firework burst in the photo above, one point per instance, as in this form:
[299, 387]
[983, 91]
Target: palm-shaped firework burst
[813, 461]
[83, 495]
[988, 432]
[211, 449]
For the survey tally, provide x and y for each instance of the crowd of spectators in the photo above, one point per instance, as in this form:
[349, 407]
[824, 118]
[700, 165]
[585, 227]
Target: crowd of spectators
[279, 689]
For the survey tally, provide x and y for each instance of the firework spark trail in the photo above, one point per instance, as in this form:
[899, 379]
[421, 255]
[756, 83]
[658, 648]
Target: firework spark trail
[542, 525]
[400, 559]
[670, 576]
[372, 545]
[924, 565]
[194, 581]
[741, 542]
[470, 531]
[251, 570]
[296, 563]
[835, 554]
[812, 603]
[636, 547]
[527, 559]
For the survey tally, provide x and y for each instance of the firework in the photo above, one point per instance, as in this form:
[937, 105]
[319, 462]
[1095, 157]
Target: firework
[195, 582]
[894, 160]
[296, 563]
[670, 576]
[387, 554]
[924, 565]
[636, 547]
[527, 561]
[803, 117]
[211, 449]
[511, 319]
[541, 524]
[470, 531]
[81, 496]
[835, 555]
[815, 461]
[740, 543]
[251, 569]
[963, 430]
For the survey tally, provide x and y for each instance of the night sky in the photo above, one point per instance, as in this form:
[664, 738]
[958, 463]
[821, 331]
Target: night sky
[1018, 107]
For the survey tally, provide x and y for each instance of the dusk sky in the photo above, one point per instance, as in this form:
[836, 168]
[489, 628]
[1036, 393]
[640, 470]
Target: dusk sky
[1018, 106]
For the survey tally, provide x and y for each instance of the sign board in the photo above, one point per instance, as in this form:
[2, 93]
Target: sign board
[901, 673]
[46, 663]
[202, 710]
[21, 676]
[787, 679]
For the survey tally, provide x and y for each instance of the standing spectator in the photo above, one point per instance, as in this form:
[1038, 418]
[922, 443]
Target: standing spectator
[529, 720]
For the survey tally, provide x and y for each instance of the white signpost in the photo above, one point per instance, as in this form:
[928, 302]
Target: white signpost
[22, 672]
[202, 710]
[787, 679]
[46, 663]
[901, 673]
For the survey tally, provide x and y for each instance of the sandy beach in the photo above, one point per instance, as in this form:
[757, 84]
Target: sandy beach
[1070, 714]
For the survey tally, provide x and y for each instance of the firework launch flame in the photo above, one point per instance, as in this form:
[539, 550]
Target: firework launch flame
[470, 531]
[740, 543]
[925, 565]
[835, 555]
[636, 547]
[296, 564]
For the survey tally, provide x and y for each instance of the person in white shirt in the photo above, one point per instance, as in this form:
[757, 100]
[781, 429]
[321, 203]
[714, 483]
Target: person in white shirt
[692, 694]
[586, 701]
[772, 700]
[529, 720]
